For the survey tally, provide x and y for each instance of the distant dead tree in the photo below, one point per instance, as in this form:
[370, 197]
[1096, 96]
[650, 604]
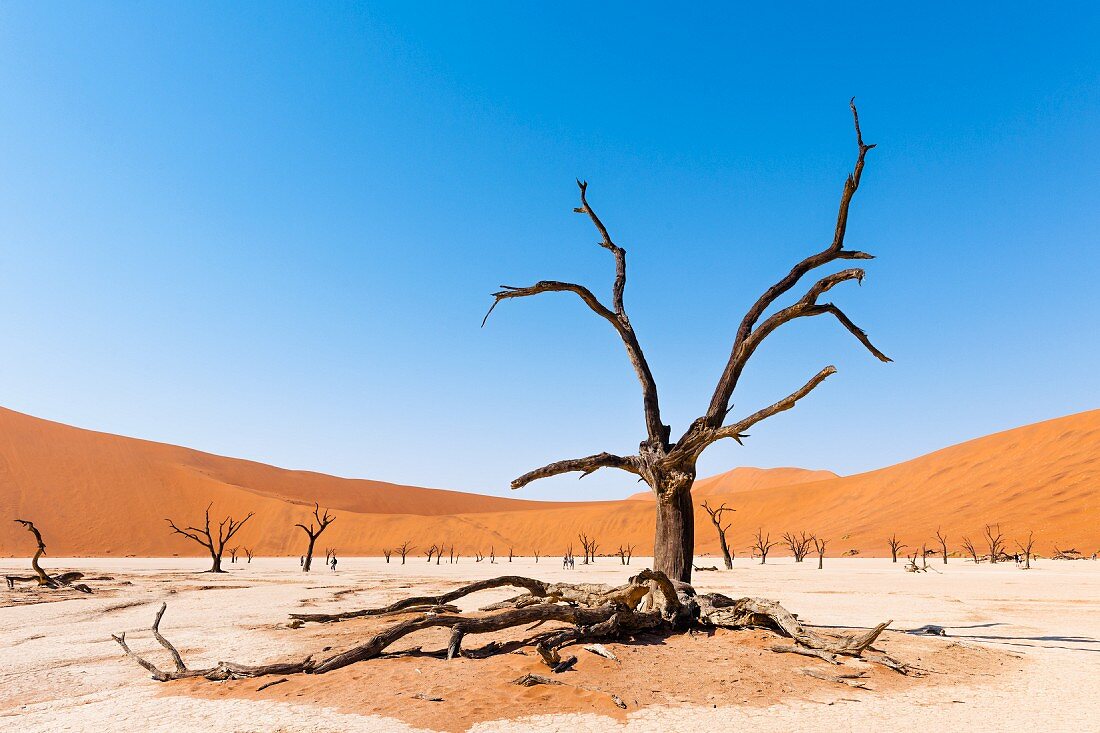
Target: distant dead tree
[439, 554]
[248, 553]
[895, 547]
[323, 521]
[716, 519]
[430, 553]
[214, 543]
[589, 544]
[968, 545]
[942, 538]
[924, 553]
[492, 554]
[763, 544]
[995, 540]
[478, 557]
[625, 553]
[452, 554]
[819, 546]
[1025, 548]
[798, 545]
[405, 548]
[1070, 554]
[536, 553]
[387, 553]
[509, 554]
[44, 579]
[667, 464]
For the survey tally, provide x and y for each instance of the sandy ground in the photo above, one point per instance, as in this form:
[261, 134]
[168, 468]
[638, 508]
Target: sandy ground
[1023, 649]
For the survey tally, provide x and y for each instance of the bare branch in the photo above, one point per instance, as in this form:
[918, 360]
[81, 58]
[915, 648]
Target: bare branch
[744, 342]
[585, 465]
[737, 430]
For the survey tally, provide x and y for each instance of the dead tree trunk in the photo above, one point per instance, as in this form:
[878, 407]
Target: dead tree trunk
[41, 577]
[323, 521]
[716, 520]
[819, 545]
[970, 548]
[387, 553]
[439, 554]
[405, 549]
[589, 544]
[248, 553]
[1025, 547]
[536, 553]
[895, 547]
[995, 540]
[942, 539]
[668, 466]
[214, 543]
[763, 544]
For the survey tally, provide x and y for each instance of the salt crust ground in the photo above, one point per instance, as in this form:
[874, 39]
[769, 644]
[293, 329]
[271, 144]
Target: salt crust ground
[1031, 639]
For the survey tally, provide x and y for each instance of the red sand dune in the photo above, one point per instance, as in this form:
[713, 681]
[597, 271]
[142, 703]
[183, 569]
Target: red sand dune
[99, 494]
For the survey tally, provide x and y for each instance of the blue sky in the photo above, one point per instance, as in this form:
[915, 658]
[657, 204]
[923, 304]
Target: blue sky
[271, 230]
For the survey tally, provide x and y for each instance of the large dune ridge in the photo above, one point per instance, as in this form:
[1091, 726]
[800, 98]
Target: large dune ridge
[96, 494]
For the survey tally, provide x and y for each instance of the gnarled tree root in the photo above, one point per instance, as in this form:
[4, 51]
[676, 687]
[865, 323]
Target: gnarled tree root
[648, 602]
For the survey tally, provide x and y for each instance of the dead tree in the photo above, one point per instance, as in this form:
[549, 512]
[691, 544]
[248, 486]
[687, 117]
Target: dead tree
[536, 553]
[492, 555]
[648, 602]
[1025, 548]
[439, 554]
[478, 557]
[430, 553]
[625, 553]
[233, 554]
[971, 549]
[799, 545]
[214, 543]
[995, 540]
[819, 546]
[387, 553]
[589, 545]
[41, 577]
[452, 556]
[509, 554]
[323, 521]
[405, 549]
[895, 547]
[248, 553]
[942, 539]
[669, 466]
[1070, 554]
[716, 519]
[763, 544]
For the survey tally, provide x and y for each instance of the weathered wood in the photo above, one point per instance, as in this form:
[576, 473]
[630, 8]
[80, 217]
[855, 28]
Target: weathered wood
[669, 468]
[715, 514]
[214, 544]
[323, 521]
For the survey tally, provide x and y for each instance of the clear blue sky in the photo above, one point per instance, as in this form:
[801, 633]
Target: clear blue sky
[270, 230]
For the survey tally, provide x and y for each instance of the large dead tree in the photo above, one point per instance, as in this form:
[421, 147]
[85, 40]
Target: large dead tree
[323, 521]
[715, 514]
[205, 536]
[799, 545]
[667, 466]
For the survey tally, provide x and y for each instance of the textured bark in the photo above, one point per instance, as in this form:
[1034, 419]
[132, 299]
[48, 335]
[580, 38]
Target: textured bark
[669, 467]
[41, 577]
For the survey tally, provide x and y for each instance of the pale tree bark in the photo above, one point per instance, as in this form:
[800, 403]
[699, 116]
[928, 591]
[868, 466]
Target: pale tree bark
[205, 536]
[667, 466]
[41, 577]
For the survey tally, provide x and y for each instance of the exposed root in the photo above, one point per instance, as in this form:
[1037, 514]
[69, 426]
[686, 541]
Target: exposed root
[648, 602]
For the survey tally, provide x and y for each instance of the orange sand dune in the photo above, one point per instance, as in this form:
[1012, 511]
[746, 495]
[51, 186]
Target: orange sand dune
[747, 478]
[99, 494]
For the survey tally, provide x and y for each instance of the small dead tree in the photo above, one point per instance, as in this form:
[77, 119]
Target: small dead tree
[763, 544]
[589, 545]
[625, 552]
[942, 539]
[233, 554]
[405, 548]
[799, 545]
[492, 555]
[819, 546]
[430, 553]
[452, 556]
[716, 519]
[44, 579]
[439, 554]
[323, 521]
[968, 545]
[387, 553]
[924, 553]
[214, 543]
[536, 553]
[478, 557]
[248, 553]
[995, 540]
[509, 554]
[895, 547]
[1025, 548]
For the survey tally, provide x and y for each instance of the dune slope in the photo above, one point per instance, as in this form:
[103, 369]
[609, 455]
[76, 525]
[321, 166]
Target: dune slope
[99, 494]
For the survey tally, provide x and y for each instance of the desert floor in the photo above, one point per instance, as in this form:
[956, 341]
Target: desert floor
[1023, 649]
